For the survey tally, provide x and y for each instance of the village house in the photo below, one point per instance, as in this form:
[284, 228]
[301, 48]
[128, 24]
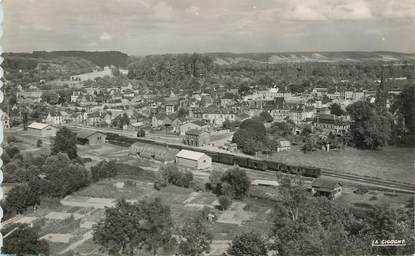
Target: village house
[194, 125]
[196, 138]
[326, 187]
[171, 103]
[216, 116]
[55, 118]
[5, 118]
[41, 130]
[332, 124]
[319, 92]
[75, 96]
[194, 160]
[94, 119]
[177, 123]
[283, 145]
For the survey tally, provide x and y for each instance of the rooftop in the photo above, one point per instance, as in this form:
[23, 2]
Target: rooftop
[38, 126]
[190, 154]
[325, 184]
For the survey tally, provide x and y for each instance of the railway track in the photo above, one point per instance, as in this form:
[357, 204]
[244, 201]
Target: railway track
[366, 180]
[354, 178]
[394, 185]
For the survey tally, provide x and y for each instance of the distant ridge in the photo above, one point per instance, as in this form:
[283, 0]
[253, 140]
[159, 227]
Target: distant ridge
[99, 58]
[300, 57]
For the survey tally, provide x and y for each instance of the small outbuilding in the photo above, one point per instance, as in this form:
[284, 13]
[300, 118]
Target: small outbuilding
[283, 145]
[90, 137]
[193, 159]
[326, 187]
[42, 130]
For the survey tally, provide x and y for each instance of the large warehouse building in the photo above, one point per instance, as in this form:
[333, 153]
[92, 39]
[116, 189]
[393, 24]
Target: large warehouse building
[42, 130]
[192, 159]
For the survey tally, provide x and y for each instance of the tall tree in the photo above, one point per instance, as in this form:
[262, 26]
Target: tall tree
[404, 107]
[23, 240]
[20, 198]
[336, 109]
[65, 142]
[369, 129]
[129, 228]
[196, 237]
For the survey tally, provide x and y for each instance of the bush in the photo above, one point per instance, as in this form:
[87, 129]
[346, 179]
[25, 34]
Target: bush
[104, 170]
[224, 202]
[12, 150]
[11, 139]
[197, 185]
[239, 182]
[39, 143]
[141, 133]
[172, 175]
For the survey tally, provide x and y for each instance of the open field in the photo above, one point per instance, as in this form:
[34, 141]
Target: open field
[390, 163]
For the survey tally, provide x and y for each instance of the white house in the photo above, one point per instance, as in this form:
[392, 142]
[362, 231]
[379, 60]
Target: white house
[55, 118]
[192, 159]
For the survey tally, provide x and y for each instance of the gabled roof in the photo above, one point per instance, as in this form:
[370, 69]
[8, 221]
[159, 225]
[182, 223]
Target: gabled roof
[325, 184]
[38, 126]
[84, 134]
[199, 122]
[187, 154]
[284, 143]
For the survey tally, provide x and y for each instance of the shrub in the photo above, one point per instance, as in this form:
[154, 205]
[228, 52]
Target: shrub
[104, 170]
[12, 150]
[11, 139]
[224, 202]
[39, 143]
[171, 174]
[197, 185]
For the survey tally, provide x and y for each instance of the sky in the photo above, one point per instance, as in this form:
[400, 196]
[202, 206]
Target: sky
[141, 27]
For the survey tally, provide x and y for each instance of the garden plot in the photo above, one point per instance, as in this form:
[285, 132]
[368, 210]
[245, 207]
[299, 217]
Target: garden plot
[93, 202]
[58, 215]
[26, 220]
[57, 238]
[218, 247]
[235, 214]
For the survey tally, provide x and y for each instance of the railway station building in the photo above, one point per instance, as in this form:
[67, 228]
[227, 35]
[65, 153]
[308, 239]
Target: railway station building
[326, 187]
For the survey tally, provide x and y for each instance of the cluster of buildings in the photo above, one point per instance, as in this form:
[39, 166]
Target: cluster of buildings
[191, 115]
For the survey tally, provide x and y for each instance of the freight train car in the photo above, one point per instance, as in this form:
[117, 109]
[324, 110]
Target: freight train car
[225, 158]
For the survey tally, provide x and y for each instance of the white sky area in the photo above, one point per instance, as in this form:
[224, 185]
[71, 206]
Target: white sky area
[140, 27]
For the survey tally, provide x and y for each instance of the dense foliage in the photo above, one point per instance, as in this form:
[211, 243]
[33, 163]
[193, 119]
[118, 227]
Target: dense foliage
[195, 237]
[248, 244]
[234, 183]
[170, 174]
[251, 136]
[326, 228]
[23, 240]
[130, 228]
[369, 128]
[65, 141]
[104, 169]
